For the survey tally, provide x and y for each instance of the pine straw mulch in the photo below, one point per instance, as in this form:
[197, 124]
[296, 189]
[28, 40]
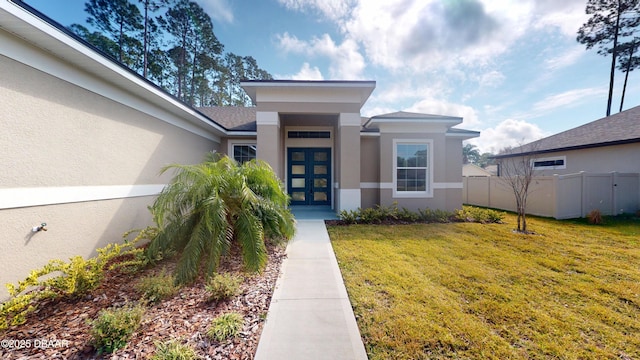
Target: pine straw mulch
[60, 325]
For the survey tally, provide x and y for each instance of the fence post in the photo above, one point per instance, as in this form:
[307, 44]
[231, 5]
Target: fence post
[614, 193]
[583, 192]
[556, 205]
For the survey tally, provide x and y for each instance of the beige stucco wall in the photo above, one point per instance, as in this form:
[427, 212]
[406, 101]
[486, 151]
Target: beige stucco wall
[56, 135]
[447, 172]
[621, 158]
[370, 170]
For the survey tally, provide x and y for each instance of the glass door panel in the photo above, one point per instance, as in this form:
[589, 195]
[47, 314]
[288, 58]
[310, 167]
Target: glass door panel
[309, 176]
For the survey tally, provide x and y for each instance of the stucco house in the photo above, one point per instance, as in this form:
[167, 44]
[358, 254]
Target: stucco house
[601, 146]
[595, 166]
[84, 139]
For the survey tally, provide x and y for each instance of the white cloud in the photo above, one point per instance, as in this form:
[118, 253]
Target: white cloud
[219, 10]
[438, 107]
[346, 62]
[421, 35]
[566, 15]
[308, 73]
[491, 79]
[332, 9]
[567, 99]
[567, 58]
[510, 132]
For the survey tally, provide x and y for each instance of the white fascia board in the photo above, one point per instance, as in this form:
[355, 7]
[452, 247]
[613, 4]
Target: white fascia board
[464, 136]
[116, 83]
[412, 121]
[242, 133]
[372, 134]
[364, 88]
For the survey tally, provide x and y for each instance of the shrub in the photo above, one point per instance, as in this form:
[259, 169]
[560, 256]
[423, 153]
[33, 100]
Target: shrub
[481, 215]
[407, 215]
[225, 326]
[208, 207]
[113, 327]
[594, 217]
[155, 288]
[173, 350]
[348, 216]
[223, 286]
[73, 278]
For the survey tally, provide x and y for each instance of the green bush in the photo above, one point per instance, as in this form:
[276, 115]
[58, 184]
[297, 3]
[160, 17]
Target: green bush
[225, 326]
[209, 207]
[480, 215]
[113, 327]
[70, 279]
[391, 214]
[155, 288]
[173, 350]
[223, 286]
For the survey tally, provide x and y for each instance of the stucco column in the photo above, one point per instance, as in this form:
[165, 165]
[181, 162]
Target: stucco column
[349, 162]
[268, 140]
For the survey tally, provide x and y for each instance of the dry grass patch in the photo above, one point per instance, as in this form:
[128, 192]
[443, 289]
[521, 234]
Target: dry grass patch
[464, 290]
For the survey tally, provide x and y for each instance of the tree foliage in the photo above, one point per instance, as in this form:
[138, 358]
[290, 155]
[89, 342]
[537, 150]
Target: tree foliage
[611, 28]
[172, 43]
[209, 207]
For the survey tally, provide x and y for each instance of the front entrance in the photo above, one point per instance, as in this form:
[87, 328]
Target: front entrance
[309, 176]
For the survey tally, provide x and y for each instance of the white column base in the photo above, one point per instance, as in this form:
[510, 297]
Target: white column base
[349, 199]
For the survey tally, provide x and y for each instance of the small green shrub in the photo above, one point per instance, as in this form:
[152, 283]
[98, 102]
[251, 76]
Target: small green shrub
[407, 215]
[348, 216]
[225, 326]
[113, 327]
[480, 215]
[173, 350]
[74, 278]
[223, 286]
[155, 288]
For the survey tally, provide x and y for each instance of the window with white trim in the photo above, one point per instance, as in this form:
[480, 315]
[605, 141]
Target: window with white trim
[244, 152]
[551, 163]
[411, 168]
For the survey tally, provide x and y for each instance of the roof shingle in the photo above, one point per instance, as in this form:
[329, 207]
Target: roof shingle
[235, 118]
[623, 127]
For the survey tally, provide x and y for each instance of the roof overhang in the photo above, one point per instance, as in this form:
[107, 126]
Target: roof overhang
[26, 23]
[566, 148]
[327, 92]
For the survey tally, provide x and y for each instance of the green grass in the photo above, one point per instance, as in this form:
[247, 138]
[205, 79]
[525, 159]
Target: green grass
[465, 290]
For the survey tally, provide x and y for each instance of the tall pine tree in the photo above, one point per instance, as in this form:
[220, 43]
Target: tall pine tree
[610, 26]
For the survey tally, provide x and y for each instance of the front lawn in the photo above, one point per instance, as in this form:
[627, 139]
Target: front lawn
[465, 290]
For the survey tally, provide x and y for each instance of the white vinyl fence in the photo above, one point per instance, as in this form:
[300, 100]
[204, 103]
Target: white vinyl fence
[560, 196]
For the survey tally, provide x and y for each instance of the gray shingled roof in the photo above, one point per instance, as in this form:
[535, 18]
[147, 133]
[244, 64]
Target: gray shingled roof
[234, 118]
[411, 115]
[621, 128]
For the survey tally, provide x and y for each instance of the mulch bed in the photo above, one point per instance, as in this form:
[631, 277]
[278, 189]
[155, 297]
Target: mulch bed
[59, 329]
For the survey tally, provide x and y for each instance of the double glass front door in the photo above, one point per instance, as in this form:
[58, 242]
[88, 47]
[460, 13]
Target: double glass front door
[309, 176]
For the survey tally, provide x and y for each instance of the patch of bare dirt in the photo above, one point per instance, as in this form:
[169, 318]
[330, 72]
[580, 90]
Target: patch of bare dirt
[59, 329]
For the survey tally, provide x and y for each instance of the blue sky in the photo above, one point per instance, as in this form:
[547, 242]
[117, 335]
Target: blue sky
[511, 68]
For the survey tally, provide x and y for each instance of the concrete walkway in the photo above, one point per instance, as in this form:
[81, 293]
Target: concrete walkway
[310, 316]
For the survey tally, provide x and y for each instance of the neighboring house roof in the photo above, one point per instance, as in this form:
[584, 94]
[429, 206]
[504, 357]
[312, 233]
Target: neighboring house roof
[233, 118]
[621, 128]
[474, 170]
